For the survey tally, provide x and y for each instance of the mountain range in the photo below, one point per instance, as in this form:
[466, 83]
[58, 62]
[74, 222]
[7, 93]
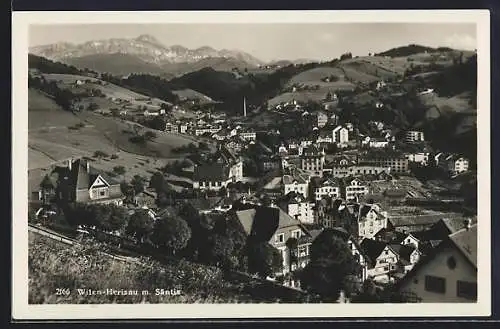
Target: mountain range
[144, 54]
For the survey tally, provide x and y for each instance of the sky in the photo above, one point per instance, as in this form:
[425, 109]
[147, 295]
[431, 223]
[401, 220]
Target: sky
[274, 41]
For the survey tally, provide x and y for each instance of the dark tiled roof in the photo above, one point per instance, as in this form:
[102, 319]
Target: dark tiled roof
[313, 234]
[262, 222]
[390, 236]
[415, 220]
[404, 251]
[466, 241]
[372, 248]
[215, 172]
[83, 179]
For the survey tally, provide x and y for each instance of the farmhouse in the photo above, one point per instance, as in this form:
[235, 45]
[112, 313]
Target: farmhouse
[79, 182]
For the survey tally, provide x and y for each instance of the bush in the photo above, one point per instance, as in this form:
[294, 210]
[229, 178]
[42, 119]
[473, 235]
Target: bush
[138, 139]
[100, 154]
[119, 170]
[114, 156]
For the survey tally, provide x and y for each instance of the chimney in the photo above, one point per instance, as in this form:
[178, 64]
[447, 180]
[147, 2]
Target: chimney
[70, 162]
[88, 167]
[467, 223]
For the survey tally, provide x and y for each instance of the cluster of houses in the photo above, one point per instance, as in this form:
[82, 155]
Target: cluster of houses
[304, 194]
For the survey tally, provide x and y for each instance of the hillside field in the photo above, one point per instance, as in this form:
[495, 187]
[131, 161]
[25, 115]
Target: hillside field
[111, 91]
[43, 112]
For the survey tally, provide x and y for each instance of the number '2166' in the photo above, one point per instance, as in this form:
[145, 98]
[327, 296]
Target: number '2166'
[62, 292]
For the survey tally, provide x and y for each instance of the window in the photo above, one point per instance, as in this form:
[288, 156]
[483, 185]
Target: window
[279, 237]
[467, 290]
[302, 251]
[435, 284]
[296, 234]
[451, 262]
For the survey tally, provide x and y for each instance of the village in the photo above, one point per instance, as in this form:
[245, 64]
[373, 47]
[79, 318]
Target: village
[365, 188]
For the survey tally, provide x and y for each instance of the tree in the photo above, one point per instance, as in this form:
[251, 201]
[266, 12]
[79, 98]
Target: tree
[100, 154]
[117, 219]
[263, 259]
[119, 170]
[220, 251]
[140, 225]
[330, 264]
[137, 183]
[150, 135]
[92, 106]
[157, 181]
[291, 245]
[171, 233]
[127, 189]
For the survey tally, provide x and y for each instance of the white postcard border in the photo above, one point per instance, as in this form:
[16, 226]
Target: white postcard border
[20, 308]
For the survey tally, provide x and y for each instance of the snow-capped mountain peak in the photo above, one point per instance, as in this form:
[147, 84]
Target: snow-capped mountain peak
[145, 47]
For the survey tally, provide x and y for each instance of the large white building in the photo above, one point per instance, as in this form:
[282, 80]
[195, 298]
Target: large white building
[371, 220]
[340, 135]
[421, 158]
[312, 160]
[414, 136]
[299, 208]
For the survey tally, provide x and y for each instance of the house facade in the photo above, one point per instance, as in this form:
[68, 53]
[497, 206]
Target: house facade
[300, 208]
[384, 260]
[312, 160]
[457, 165]
[398, 164]
[340, 135]
[77, 181]
[371, 220]
[355, 189]
[421, 158]
[339, 171]
[328, 188]
[412, 136]
[449, 274]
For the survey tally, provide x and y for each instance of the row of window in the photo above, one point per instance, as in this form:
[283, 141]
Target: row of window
[280, 238]
[464, 289]
[211, 184]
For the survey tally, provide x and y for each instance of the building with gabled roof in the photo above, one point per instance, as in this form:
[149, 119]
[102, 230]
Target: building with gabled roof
[382, 259]
[448, 274]
[312, 160]
[326, 187]
[355, 188]
[77, 181]
[297, 206]
[274, 226]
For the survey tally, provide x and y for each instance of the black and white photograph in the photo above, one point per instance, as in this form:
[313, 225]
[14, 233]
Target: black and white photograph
[327, 163]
